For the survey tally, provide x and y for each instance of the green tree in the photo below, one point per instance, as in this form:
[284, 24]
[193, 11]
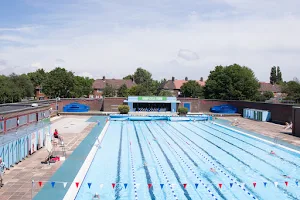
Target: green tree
[109, 91]
[268, 95]
[24, 85]
[82, 87]
[278, 76]
[142, 76]
[59, 83]
[292, 89]
[191, 89]
[133, 91]
[128, 77]
[231, 82]
[273, 75]
[122, 91]
[165, 93]
[38, 77]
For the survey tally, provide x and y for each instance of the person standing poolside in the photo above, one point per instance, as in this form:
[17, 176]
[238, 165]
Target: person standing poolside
[2, 168]
[55, 134]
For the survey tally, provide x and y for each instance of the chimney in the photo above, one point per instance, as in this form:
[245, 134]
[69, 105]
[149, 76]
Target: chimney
[103, 78]
[173, 78]
[201, 79]
[186, 79]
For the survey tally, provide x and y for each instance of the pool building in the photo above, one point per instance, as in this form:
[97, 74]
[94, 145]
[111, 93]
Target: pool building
[152, 104]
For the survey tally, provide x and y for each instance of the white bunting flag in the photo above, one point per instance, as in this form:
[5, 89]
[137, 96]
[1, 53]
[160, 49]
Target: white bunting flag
[276, 184]
[137, 185]
[65, 184]
[243, 185]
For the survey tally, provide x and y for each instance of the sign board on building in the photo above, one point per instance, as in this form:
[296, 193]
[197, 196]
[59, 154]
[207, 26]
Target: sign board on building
[151, 98]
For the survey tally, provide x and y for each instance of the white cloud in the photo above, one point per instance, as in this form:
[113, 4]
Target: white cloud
[187, 55]
[134, 36]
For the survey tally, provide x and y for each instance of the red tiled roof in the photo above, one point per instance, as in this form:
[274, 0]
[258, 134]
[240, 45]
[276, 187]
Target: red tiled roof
[176, 84]
[100, 83]
[269, 87]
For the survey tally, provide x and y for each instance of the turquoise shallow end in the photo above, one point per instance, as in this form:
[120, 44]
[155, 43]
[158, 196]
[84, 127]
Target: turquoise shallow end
[69, 169]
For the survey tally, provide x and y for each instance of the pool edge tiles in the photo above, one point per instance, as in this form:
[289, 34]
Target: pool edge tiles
[73, 191]
[72, 165]
[285, 146]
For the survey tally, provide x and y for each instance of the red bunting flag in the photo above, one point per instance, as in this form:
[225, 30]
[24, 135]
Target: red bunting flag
[149, 185]
[113, 185]
[77, 184]
[286, 183]
[220, 185]
[254, 184]
[40, 183]
[184, 185]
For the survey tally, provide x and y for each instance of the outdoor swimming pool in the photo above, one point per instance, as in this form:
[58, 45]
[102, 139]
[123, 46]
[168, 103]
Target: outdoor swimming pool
[172, 160]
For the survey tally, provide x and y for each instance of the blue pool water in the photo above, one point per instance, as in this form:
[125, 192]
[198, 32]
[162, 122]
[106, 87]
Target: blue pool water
[175, 159]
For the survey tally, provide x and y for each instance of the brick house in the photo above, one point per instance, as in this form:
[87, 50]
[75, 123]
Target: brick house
[174, 85]
[39, 95]
[276, 89]
[100, 84]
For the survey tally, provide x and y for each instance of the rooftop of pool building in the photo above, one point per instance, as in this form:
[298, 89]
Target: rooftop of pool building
[175, 158]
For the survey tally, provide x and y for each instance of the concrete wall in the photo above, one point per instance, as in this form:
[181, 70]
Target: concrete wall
[296, 121]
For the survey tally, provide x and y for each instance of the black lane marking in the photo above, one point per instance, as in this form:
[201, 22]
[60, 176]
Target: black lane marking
[164, 192]
[262, 160]
[118, 178]
[281, 188]
[186, 194]
[192, 160]
[291, 162]
[148, 177]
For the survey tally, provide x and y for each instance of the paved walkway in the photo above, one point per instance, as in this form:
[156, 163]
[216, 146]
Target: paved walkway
[268, 129]
[18, 179]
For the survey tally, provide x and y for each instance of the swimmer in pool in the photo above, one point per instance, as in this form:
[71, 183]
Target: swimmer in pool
[272, 152]
[213, 170]
[96, 196]
[286, 176]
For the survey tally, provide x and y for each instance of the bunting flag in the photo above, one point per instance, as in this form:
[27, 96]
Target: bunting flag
[286, 183]
[276, 184]
[220, 185]
[40, 183]
[231, 184]
[196, 185]
[113, 185]
[184, 185]
[137, 185]
[125, 185]
[254, 184]
[101, 186]
[65, 184]
[149, 185]
[52, 183]
[297, 183]
[265, 184]
[77, 184]
[89, 184]
[161, 186]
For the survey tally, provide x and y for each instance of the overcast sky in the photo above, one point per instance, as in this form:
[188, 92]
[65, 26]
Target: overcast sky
[167, 37]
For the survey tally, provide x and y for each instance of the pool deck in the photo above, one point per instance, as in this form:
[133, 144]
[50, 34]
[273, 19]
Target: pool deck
[266, 129]
[18, 179]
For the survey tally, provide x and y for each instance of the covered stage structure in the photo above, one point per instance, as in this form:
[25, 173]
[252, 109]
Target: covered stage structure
[152, 104]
